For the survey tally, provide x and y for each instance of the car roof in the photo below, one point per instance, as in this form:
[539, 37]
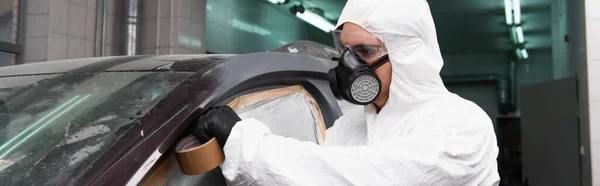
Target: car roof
[191, 62]
[187, 62]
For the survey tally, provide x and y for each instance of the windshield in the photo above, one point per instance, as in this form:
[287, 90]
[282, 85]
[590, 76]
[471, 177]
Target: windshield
[52, 127]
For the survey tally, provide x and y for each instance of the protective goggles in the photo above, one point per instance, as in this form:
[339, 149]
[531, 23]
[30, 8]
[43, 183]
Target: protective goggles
[366, 46]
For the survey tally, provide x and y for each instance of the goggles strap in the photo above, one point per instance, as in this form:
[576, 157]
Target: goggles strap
[382, 60]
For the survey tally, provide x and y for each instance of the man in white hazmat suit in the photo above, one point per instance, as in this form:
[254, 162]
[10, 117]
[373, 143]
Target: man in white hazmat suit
[413, 132]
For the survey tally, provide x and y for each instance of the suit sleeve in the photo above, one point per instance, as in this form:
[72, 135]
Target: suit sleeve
[429, 156]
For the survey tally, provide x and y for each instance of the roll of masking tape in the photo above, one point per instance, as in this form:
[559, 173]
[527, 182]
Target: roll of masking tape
[195, 158]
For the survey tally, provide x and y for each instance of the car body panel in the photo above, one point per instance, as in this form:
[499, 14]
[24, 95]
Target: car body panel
[216, 79]
[219, 83]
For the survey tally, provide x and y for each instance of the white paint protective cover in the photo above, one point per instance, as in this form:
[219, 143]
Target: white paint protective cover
[424, 135]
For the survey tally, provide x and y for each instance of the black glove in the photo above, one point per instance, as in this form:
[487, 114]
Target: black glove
[216, 122]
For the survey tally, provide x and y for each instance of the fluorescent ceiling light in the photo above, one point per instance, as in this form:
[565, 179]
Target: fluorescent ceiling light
[277, 1]
[316, 21]
[524, 53]
[508, 12]
[517, 11]
[519, 32]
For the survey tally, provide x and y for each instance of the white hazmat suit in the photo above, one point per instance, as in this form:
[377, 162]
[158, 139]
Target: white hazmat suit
[424, 135]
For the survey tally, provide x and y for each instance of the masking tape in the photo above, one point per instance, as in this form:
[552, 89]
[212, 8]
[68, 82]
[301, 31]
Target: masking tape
[195, 158]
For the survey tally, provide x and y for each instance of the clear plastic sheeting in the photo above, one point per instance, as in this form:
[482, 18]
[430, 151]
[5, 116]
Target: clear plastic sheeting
[289, 116]
[289, 112]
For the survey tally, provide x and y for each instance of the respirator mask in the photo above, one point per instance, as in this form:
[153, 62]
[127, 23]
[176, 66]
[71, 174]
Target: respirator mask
[354, 78]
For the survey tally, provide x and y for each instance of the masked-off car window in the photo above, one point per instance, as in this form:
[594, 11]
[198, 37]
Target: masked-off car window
[52, 127]
[288, 111]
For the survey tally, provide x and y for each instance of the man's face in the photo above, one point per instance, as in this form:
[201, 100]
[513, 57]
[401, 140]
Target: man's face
[356, 43]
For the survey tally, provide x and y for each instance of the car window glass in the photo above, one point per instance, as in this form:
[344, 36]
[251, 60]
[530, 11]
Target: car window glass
[53, 127]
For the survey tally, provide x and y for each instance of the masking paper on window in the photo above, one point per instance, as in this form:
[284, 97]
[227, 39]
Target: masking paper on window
[289, 112]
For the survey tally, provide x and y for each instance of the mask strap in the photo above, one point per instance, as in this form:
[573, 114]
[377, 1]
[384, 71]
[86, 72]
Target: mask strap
[382, 60]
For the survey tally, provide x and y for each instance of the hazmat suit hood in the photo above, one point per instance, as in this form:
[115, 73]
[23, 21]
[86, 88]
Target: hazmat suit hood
[407, 30]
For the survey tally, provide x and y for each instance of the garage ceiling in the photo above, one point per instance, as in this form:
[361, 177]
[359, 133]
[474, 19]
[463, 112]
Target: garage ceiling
[466, 26]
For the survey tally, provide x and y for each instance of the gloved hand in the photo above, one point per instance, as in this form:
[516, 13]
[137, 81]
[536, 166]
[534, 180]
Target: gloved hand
[216, 122]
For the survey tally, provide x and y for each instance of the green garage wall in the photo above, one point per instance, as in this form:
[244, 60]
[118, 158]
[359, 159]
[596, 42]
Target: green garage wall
[245, 26]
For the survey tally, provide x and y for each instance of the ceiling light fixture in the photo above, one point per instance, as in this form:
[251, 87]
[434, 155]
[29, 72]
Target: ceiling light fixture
[512, 10]
[520, 36]
[279, 1]
[508, 12]
[522, 53]
[517, 11]
[316, 21]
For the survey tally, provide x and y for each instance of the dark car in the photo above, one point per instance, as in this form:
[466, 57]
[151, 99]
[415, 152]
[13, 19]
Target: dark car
[115, 120]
